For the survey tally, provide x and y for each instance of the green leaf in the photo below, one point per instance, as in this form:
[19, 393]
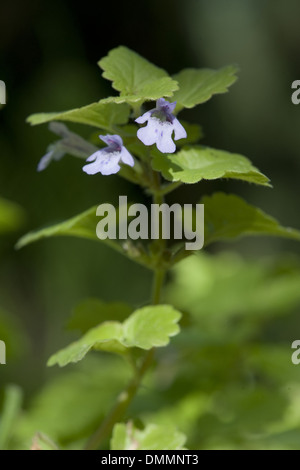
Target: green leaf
[151, 326]
[146, 328]
[153, 437]
[106, 337]
[120, 439]
[91, 312]
[11, 216]
[228, 216]
[198, 85]
[102, 115]
[84, 226]
[137, 79]
[217, 290]
[191, 165]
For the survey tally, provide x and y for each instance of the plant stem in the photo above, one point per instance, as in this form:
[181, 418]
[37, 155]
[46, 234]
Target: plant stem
[158, 281]
[125, 398]
[123, 402]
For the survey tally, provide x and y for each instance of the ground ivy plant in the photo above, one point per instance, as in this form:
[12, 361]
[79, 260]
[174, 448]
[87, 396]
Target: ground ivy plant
[147, 143]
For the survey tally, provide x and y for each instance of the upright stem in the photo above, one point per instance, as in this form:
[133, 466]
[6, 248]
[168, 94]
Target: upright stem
[123, 402]
[125, 398]
[159, 277]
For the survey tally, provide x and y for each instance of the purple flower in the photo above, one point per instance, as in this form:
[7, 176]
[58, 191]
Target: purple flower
[161, 124]
[106, 161]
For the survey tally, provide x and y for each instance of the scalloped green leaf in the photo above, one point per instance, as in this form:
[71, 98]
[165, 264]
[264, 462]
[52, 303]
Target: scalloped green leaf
[151, 326]
[106, 337]
[228, 217]
[84, 226]
[134, 77]
[151, 92]
[153, 437]
[101, 114]
[197, 86]
[192, 165]
[146, 328]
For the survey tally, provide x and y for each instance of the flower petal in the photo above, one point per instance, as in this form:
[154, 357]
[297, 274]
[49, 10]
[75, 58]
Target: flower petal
[54, 152]
[111, 169]
[161, 102]
[112, 140]
[164, 140]
[172, 106]
[165, 105]
[180, 132]
[126, 157]
[105, 163]
[45, 161]
[144, 117]
[95, 155]
[149, 134]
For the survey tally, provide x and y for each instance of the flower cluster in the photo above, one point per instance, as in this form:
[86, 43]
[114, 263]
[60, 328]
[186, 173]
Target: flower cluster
[161, 123]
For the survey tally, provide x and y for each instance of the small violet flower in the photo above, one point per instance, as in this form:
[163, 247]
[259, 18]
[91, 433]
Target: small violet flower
[106, 161]
[161, 124]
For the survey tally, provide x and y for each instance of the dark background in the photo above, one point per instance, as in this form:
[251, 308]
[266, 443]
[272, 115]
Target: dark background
[48, 60]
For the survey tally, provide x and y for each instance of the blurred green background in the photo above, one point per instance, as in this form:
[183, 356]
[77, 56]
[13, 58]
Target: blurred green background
[48, 60]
